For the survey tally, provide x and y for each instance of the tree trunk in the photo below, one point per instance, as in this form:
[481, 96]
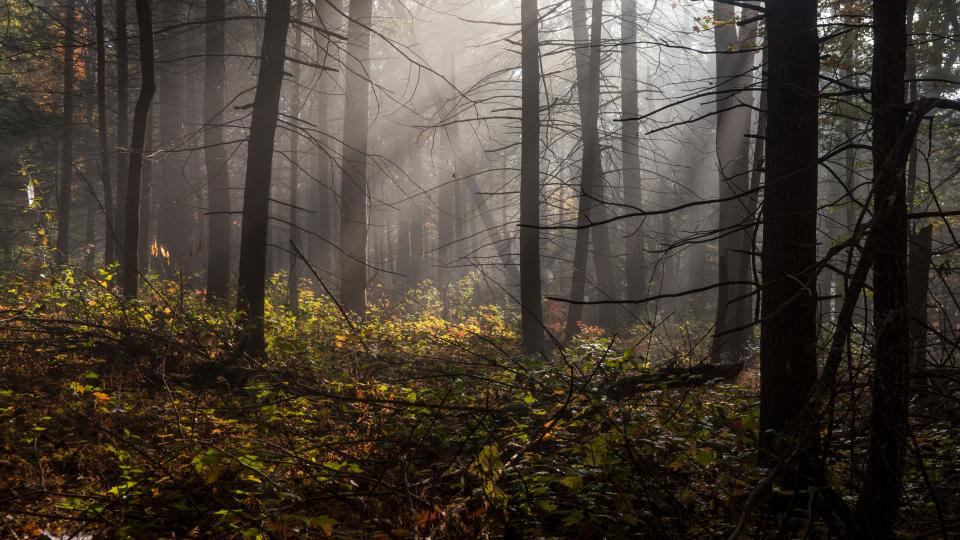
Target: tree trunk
[256, 192]
[65, 191]
[354, 191]
[530, 295]
[218, 174]
[636, 268]
[880, 492]
[788, 329]
[147, 203]
[131, 265]
[109, 239]
[591, 181]
[921, 248]
[123, 132]
[293, 267]
[322, 186]
[174, 227]
[732, 332]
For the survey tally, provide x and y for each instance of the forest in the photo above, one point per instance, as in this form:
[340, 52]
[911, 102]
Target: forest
[429, 269]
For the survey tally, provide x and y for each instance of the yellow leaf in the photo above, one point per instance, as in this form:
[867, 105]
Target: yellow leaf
[101, 396]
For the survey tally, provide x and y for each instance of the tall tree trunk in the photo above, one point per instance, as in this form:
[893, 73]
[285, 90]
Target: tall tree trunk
[147, 203]
[447, 217]
[530, 293]
[109, 238]
[256, 192]
[734, 314]
[148, 86]
[293, 267]
[174, 228]
[591, 181]
[880, 492]
[636, 268]
[218, 174]
[354, 191]
[788, 329]
[123, 132]
[65, 192]
[320, 189]
[921, 248]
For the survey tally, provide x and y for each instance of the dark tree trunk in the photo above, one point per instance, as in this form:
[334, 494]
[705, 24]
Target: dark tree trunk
[921, 248]
[788, 330]
[880, 493]
[354, 191]
[109, 239]
[65, 191]
[123, 132]
[256, 193]
[218, 174]
[636, 268]
[732, 333]
[591, 182]
[530, 293]
[131, 235]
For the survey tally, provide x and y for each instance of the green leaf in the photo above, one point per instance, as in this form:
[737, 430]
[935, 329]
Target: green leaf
[572, 482]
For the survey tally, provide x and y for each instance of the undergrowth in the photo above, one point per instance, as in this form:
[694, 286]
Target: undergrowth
[123, 419]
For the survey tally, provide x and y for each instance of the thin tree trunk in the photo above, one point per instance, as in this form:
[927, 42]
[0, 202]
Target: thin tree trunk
[131, 265]
[147, 203]
[256, 192]
[123, 132]
[530, 292]
[65, 191]
[636, 268]
[293, 267]
[109, 239]
[921, 248]
[880, 492]
[591, 182]
[355, 191]
[320, 190]
[218, 174]
[788, 329]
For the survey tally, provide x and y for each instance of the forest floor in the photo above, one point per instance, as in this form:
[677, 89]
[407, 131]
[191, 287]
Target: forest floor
[122, 420]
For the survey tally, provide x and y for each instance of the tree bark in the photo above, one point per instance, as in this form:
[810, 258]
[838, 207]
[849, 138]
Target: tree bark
[320, 222]
[256, 193]
[880, 492]
[355, 190]
[530, 293]
[123, 132]
[788, 329]
[174, 225]
[215, 155]
[636, 268]
[65, 191]
[732, 332]
[109, 236]
[131, 235]
[293, 266]
[591, 181]
[921, 248]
